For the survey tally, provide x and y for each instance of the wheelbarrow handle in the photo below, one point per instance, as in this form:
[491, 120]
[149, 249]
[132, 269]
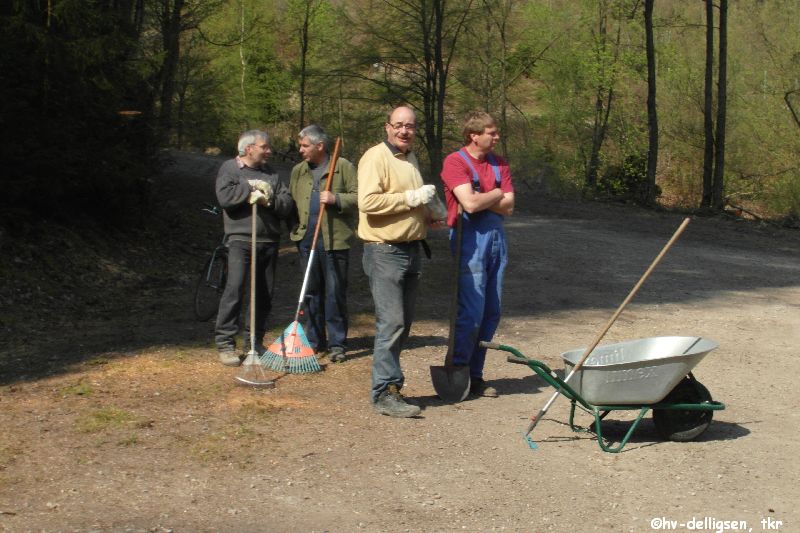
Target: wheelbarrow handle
[515, 356]
[516, 360]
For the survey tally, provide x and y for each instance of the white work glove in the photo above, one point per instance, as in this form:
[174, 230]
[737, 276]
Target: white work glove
[260, 185]
[419, 196]
[258, 197]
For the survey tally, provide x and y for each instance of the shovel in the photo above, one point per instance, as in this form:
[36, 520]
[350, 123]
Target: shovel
[451, 382]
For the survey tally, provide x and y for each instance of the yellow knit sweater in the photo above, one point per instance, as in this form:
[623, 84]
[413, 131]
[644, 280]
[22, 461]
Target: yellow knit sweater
[383, 178]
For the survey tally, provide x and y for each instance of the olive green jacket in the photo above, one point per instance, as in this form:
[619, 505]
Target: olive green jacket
[340, 220]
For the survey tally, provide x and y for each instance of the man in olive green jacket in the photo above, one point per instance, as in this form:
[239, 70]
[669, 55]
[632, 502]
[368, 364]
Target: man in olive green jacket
[326, 316]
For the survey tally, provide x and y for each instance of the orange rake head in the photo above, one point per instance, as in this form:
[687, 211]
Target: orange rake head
[291, 352]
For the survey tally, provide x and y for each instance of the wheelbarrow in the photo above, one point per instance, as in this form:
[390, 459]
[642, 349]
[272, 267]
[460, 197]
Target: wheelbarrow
[639, 375]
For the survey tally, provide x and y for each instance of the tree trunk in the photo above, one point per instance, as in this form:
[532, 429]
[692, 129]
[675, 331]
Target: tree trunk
[602, 107]
[652, 112]
[787, 99]
[303, 57]
[242, 58]
[170, 34]
[718, 200]
[440, 89]
[708, 122]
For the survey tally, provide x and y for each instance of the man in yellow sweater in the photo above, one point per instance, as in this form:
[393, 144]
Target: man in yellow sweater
[392, 223]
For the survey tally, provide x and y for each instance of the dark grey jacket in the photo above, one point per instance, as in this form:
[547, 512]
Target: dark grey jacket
[232, 192]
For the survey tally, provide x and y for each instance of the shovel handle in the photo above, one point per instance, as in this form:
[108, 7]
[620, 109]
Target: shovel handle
[451, 337]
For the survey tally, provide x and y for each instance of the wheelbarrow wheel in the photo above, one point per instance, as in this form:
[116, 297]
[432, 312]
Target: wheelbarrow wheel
[683, 425]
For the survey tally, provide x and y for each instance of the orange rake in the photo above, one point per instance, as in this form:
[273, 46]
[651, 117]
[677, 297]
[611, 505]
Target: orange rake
[291, 352]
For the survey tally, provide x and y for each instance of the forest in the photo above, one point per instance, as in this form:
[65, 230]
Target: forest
[688, 104]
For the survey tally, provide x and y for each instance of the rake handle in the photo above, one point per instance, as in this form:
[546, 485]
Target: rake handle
[535, 419]
[253, 280]
[331, 169]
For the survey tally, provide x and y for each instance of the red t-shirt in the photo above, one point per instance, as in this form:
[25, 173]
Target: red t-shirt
[456, 171]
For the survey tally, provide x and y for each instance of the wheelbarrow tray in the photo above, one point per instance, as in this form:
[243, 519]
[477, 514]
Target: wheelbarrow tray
[636, 372]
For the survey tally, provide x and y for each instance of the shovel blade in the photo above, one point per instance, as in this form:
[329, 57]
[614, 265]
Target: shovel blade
[451, 383]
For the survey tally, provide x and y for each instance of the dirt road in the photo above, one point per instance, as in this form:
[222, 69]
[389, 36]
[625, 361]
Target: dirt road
[137, 427]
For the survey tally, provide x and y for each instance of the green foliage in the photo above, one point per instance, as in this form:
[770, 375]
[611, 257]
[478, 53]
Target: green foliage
[784, 198]
[537, 65]
[627, 181]
[247, 84]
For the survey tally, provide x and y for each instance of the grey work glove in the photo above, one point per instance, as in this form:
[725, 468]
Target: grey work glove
[419, 196]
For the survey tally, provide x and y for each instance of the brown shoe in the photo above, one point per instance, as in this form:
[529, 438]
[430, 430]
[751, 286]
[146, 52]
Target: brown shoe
[478, 387]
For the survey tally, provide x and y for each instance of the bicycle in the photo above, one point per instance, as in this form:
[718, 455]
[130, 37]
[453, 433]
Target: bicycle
[212, 278]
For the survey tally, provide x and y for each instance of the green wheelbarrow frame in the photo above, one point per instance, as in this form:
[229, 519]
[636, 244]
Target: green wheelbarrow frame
[679, 420]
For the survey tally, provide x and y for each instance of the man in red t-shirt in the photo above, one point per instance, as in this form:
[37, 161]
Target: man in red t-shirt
[480, 182]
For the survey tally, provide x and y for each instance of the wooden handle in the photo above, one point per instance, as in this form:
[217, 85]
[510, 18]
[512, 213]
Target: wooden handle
[331, 168]
[451, 337]
[537, 417]
[630, 296]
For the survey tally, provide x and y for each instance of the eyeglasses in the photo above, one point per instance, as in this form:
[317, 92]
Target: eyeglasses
[399, 126]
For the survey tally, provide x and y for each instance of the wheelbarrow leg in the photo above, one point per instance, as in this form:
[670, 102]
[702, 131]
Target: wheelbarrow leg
[605, 445]
[581, 429]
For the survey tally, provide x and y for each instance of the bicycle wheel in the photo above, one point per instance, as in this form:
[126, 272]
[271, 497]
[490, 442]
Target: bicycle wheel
[210, 286]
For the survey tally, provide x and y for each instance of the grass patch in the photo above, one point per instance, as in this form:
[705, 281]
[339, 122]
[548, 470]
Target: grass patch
[132, 440]
[232, 443]
[79, 389]
[105, 418]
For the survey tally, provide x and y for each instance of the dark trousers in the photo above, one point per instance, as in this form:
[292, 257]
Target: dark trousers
[233, 297]
[326, 297]
[394, 271]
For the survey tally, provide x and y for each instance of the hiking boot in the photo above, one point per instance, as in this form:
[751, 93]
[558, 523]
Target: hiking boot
[478, 387]
[320, 347]
[391, 403]
[336, 354]
[229, 357]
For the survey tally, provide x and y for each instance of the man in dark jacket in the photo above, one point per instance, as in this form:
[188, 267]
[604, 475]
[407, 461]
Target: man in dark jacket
[326, 324]
[242, 182]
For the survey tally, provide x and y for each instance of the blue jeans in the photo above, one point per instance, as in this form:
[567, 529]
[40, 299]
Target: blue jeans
[326, 296]
[393, 271]
[484, 256]
[231, 302]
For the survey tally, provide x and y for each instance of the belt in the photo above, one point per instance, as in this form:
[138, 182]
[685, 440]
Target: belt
[425, 247]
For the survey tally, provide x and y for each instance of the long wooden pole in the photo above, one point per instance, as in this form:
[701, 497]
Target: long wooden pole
[537, 417]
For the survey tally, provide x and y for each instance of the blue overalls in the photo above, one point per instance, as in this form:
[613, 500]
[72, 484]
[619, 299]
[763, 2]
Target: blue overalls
[484, 257]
